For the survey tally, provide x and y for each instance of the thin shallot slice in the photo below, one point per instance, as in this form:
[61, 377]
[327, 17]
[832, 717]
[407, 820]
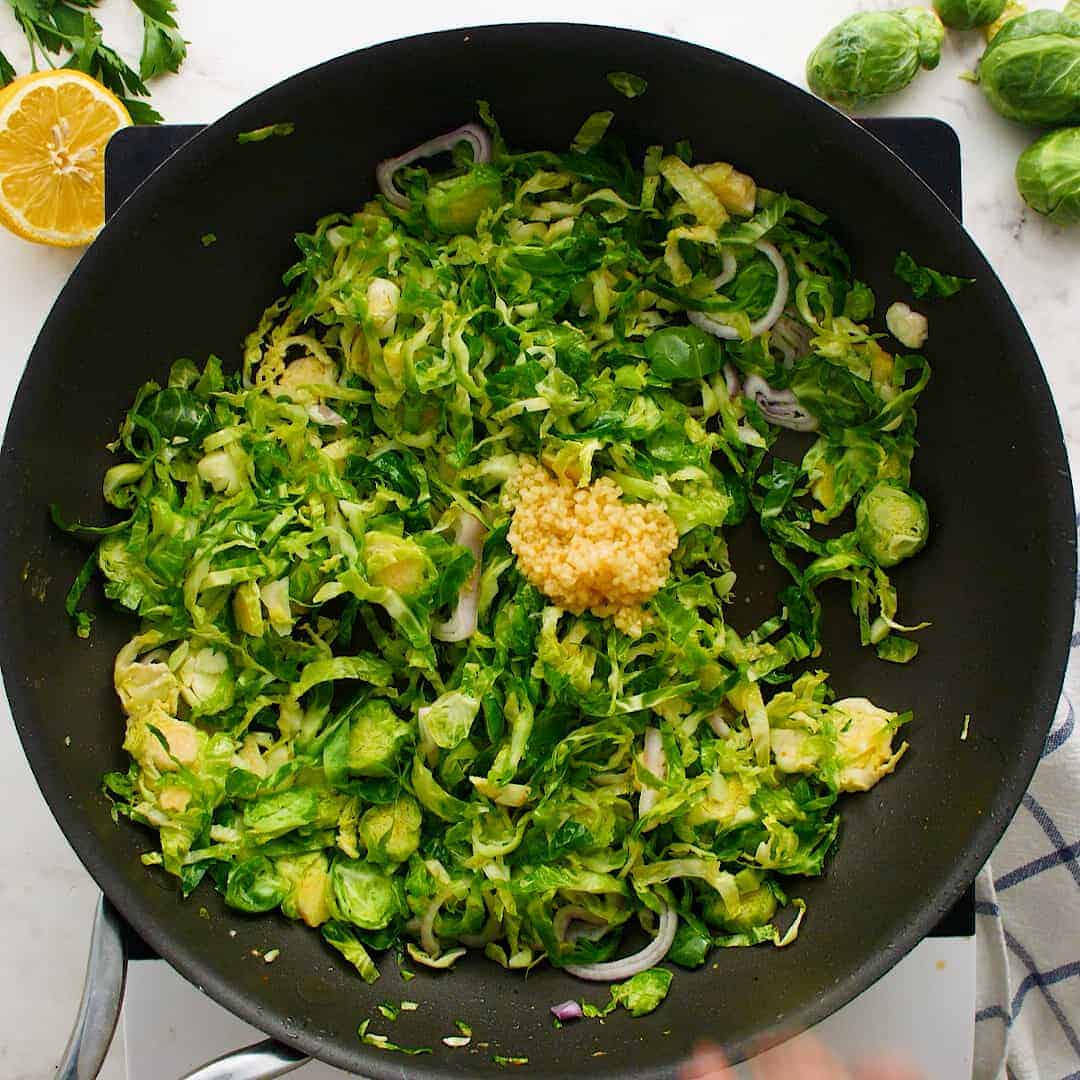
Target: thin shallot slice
[650, 956]
[776, 308]
[567, 1010]
[462, 624]
[473, 134]
[654, 760]
[779, 407]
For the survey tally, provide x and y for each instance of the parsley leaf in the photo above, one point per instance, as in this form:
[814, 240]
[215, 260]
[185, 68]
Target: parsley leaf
[55, 27]
[164, 48]
[927, 282]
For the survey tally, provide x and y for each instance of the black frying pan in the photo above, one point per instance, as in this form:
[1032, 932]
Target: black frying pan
[997, 578]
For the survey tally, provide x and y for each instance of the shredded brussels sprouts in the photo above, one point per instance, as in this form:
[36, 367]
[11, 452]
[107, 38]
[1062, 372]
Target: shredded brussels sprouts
[298, 534]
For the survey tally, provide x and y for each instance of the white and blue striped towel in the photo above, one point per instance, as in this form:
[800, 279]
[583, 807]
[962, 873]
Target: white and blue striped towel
[1027, 904]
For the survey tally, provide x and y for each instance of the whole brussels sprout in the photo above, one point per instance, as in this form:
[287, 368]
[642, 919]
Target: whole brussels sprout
[967, 14]
[1048, 176]
[1031, 69]
[874, 53]
[891, 523]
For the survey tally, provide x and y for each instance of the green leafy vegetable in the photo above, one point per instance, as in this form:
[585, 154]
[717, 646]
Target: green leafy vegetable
[639, 995]
[271, 131]
[891, 523]
[1048, 176]
[164, 48]
[874, 53]
[59, 28]
[682, 352]
[630, 86]
[967, 14]
[591, 131]
[1031, 69]
[927, 282]
[345, 700]
[381, 1042]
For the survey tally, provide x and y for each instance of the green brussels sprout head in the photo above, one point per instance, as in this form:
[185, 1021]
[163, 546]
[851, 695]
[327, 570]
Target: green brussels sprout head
[1048, 176]
[967, 14]
[891, 523]
[391, 833]
[1031, 69]
[874, 53]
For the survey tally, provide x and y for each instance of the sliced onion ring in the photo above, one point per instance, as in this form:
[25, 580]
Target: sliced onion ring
[324, 415]
[776, 308]
[719, 725]
[791, 338]
[568, 914]
[652, 954]
[732, 381]
[470, 534]
[473, 134]
[728, 273]
[779, 407]
[654, 760]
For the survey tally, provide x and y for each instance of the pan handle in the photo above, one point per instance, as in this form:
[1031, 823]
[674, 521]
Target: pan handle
[99, 1010]
[262, 1061]
[102, 996]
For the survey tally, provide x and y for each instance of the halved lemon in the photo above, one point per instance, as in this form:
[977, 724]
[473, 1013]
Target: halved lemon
[53, 129]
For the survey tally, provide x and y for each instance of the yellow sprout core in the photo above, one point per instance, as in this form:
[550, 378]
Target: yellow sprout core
[585, 548]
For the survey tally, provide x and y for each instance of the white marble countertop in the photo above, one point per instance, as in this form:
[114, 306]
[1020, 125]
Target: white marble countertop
[239, 47]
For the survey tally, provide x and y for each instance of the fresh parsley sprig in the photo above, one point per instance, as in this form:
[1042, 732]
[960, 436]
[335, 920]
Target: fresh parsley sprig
[54, 28]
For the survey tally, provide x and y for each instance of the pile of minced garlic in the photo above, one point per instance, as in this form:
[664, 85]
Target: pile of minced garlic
[584, 548]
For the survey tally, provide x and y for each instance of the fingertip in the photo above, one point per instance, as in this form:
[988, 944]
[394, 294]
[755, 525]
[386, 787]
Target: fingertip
[707, 1063]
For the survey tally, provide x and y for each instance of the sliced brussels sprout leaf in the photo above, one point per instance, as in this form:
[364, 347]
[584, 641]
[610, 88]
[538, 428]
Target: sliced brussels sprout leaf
[345, 940]
[177, 413]
[682, 352]
[639, 995]
[454, 206]
[627, 84]
[927, 282]
[255, 885]
[592, 130]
